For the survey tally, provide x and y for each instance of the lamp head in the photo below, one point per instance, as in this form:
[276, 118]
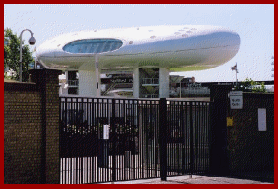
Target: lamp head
[32, 41]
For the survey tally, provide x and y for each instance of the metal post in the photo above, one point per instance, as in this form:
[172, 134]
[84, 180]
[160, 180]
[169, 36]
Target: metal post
[236, 76]
[180, 89]
[97, 75]
[113, 140]
[235, 68]
[20, 58]
[20, 50]
[191, 142]
[163, 138]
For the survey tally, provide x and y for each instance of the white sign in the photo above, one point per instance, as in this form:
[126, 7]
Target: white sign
[261, 119]
[106, 131]
[236, 100]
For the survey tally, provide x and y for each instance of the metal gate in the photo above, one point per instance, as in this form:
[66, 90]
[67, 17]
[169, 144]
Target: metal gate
[106, 139]
[188, 144]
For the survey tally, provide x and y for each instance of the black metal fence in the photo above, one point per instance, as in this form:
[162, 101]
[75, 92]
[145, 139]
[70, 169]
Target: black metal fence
[106, 139]
[188, 145]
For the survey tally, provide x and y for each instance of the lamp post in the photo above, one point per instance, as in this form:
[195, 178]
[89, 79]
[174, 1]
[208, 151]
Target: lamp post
[32, 41]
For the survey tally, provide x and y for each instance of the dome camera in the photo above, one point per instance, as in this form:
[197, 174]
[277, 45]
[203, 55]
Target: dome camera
[32, 41]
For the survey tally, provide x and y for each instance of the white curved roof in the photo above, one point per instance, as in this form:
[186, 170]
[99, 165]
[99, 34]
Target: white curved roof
[152, 46]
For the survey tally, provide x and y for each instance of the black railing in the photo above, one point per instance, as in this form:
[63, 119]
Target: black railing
[106, 139]
[188, 141]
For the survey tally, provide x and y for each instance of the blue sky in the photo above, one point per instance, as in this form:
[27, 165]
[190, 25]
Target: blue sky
[254, 24]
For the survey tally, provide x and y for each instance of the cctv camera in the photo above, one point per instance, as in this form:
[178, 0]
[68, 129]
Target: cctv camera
[32, 41]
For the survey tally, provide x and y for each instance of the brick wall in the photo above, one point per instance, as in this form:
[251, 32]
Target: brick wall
[52, 127]
[31, 129]
[251, 150]
[22, 138]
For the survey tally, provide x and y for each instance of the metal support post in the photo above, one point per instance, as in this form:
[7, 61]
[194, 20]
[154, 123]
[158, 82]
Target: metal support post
[163, 138]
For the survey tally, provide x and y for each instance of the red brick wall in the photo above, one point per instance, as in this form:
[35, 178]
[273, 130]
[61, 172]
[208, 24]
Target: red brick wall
[31, 129]
[22, 133]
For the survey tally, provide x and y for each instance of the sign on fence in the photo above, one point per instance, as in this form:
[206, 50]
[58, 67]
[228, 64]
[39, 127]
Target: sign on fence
[236, 100]
[261, 119]
[230, 121]
[106, 132]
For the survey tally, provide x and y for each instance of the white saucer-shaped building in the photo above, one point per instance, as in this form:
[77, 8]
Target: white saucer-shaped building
[149, 51]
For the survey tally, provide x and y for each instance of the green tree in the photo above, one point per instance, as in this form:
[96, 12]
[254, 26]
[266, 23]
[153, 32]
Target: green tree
[12, 49]
[248, 85]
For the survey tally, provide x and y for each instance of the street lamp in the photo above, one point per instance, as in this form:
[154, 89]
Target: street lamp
[32, 41]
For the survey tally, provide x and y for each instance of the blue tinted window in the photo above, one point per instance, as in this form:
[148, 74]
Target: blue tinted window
[93, 46]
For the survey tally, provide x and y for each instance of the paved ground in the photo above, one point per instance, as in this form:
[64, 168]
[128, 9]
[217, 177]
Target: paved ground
[196, 179]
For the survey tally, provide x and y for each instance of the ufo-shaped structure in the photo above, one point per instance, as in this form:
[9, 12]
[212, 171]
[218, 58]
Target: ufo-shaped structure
[149, 51]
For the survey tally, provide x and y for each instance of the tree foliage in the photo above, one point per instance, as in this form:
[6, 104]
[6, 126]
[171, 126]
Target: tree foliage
[12, 58]
[248, 85]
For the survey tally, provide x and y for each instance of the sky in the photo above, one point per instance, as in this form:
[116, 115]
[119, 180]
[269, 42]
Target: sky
[254, 23]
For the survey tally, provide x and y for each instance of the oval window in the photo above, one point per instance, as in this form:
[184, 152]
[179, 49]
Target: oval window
[93, 46]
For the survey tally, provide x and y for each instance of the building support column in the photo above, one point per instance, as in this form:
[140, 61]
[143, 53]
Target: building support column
[87, 83]
[88, 80]
[136, 83]
[163, 83]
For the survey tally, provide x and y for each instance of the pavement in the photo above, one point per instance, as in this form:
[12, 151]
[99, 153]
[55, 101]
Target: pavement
[194, 179]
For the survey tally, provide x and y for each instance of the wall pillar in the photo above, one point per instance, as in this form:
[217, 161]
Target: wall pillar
[219, 161]
[47, 82]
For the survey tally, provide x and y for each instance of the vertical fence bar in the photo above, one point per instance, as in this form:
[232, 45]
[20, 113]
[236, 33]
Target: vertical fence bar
[60, 142]
[197, 136]
[113, 139]
[80, 109]
[187, 137]
[191, 140]
[163, 138]
[182, 137]
[169, 143]
[208, 135]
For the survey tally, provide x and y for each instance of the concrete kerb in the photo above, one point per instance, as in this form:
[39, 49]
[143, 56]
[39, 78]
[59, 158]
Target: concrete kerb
[196, 179]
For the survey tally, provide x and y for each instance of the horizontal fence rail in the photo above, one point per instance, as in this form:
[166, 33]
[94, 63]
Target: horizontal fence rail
[107, 139]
